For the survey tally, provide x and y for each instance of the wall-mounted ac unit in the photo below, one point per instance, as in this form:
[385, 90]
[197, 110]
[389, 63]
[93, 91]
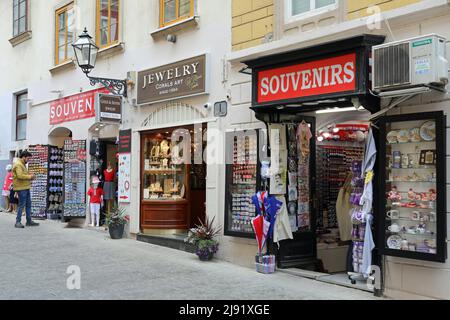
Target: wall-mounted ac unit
[410, 63]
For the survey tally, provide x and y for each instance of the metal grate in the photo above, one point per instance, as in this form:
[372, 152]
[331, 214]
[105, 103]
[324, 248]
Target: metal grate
[392, 66]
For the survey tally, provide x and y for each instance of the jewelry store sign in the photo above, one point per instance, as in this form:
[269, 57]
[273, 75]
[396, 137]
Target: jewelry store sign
[173, 81]
[109, 108]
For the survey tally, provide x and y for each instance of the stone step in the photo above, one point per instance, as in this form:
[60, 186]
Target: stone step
[170, 241]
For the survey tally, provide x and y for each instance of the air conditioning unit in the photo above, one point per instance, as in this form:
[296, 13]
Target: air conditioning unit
[416, 62]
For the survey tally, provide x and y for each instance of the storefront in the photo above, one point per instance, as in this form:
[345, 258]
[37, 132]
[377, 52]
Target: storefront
[172, 141]
[73, 141]
[316, 158]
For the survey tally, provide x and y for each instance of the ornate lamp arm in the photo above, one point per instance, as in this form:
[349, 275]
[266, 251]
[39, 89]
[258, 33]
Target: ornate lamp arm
[114, 86]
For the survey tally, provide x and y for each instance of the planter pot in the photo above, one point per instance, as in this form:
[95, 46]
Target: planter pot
[116, 231]
[206, 258]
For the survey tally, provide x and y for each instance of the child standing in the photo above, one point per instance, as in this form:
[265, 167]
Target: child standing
[6, 192]
[95, 194]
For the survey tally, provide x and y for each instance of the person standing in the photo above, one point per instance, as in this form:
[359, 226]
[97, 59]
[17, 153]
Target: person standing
[7, 187]
[22, 185]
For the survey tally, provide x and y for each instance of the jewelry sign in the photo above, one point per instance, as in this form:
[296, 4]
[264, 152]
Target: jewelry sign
[172, 81]
[124, 166]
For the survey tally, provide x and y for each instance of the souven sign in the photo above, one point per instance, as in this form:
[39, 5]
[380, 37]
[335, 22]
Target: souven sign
[78, 106]
[337, 74]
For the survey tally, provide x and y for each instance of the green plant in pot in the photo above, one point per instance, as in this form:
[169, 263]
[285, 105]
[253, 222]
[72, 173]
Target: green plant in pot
[116, 220]
[203, 237]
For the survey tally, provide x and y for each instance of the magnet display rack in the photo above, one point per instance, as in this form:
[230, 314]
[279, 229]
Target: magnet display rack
[38, 165]
[55, 183]
[74, 179]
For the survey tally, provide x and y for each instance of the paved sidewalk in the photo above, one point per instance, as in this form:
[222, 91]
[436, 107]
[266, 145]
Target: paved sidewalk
[33, 264]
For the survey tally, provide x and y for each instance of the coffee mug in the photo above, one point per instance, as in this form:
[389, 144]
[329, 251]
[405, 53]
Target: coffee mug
[404, 245]
[394, 227]
[393, 214]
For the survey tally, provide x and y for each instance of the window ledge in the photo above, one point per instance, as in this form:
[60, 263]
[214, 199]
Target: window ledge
[111, 50]
[24, 36]
[63, 66]
[312, 16]
[164, 31]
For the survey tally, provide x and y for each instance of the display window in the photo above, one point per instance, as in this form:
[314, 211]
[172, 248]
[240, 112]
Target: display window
[173, 193]
[414, 203]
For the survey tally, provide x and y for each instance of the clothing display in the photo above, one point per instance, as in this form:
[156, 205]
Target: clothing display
[109, 175]
[95, 195]
[282, 230]
[109, 190]
[343, 207]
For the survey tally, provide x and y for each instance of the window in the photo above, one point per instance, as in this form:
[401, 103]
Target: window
[172, 11]
[65, 32]
[302, 8]
[21, 116]
[20, 21]
[107, 22]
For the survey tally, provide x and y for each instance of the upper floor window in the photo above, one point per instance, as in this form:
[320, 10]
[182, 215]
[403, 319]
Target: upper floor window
[107, 30]
[21, 116]
[298, 9]
[65, 32]
[172, 11]
[20, 17]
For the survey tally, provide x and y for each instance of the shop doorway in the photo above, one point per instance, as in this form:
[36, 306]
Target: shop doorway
[104, 165]
[327, 240]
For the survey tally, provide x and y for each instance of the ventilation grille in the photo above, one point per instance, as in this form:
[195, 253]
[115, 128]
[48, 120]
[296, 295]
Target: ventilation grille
[392, 66]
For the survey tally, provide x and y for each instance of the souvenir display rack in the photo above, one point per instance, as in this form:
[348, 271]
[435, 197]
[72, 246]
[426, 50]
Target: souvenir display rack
[74, 179]
[413, 172]
[55, 183]
[242, 179]
[334, 162]
[38, 165]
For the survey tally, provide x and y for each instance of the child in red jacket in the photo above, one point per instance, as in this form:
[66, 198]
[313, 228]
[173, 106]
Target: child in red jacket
[95, 194]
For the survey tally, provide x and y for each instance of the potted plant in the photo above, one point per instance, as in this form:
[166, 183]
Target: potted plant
[202, 236]
[116, 220]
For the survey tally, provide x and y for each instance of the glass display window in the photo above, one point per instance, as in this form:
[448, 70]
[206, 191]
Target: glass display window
[414, 208]
[164, 171]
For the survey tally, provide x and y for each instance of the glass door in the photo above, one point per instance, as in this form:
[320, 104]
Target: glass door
[413, 173]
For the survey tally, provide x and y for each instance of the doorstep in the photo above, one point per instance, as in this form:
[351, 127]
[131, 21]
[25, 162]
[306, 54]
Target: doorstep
[340, 279]
[174, 241]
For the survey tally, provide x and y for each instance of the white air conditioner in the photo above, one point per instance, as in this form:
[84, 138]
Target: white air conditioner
[416, 62]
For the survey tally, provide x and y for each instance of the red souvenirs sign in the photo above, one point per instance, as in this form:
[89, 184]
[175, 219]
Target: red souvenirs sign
[332, 75]
[78, 106]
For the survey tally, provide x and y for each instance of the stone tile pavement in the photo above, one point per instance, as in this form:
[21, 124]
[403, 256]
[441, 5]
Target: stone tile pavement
[34, 261]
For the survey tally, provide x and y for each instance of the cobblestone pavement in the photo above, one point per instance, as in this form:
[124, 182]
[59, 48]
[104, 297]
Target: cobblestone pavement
[34, 261]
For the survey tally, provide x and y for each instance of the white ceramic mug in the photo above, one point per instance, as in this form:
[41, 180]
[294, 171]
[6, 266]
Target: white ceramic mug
[394, 227]
[393, 214]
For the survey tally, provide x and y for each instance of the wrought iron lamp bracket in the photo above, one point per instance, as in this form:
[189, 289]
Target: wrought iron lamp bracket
[114, 86]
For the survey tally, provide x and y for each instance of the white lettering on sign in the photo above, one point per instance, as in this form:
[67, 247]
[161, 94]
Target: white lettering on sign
[313, 78]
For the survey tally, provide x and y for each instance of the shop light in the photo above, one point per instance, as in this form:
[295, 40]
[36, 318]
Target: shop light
[333, 110]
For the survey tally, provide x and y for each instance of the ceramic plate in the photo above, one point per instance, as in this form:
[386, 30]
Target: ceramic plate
[403, 136]
[414, 135]
[394, 242]
[392, 137]
[428, 131]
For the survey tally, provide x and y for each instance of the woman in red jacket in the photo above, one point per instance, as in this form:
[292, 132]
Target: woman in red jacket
[7, 187]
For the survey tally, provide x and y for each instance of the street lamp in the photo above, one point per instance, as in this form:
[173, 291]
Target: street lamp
[86, 54]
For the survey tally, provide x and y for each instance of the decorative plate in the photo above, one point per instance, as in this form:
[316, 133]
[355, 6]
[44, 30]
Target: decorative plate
[392, 137]
[414, 135]
[403, 136]
[394, 242]
[428, 131]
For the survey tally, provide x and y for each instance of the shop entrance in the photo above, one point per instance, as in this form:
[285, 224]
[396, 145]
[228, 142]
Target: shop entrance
[325, 155]
[104, 165]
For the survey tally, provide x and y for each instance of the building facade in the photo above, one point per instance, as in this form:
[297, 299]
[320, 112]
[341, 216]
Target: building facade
[212, 47]
[268, 31]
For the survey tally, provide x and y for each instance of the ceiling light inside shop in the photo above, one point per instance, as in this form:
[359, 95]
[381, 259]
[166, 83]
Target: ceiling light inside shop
[333, 110]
